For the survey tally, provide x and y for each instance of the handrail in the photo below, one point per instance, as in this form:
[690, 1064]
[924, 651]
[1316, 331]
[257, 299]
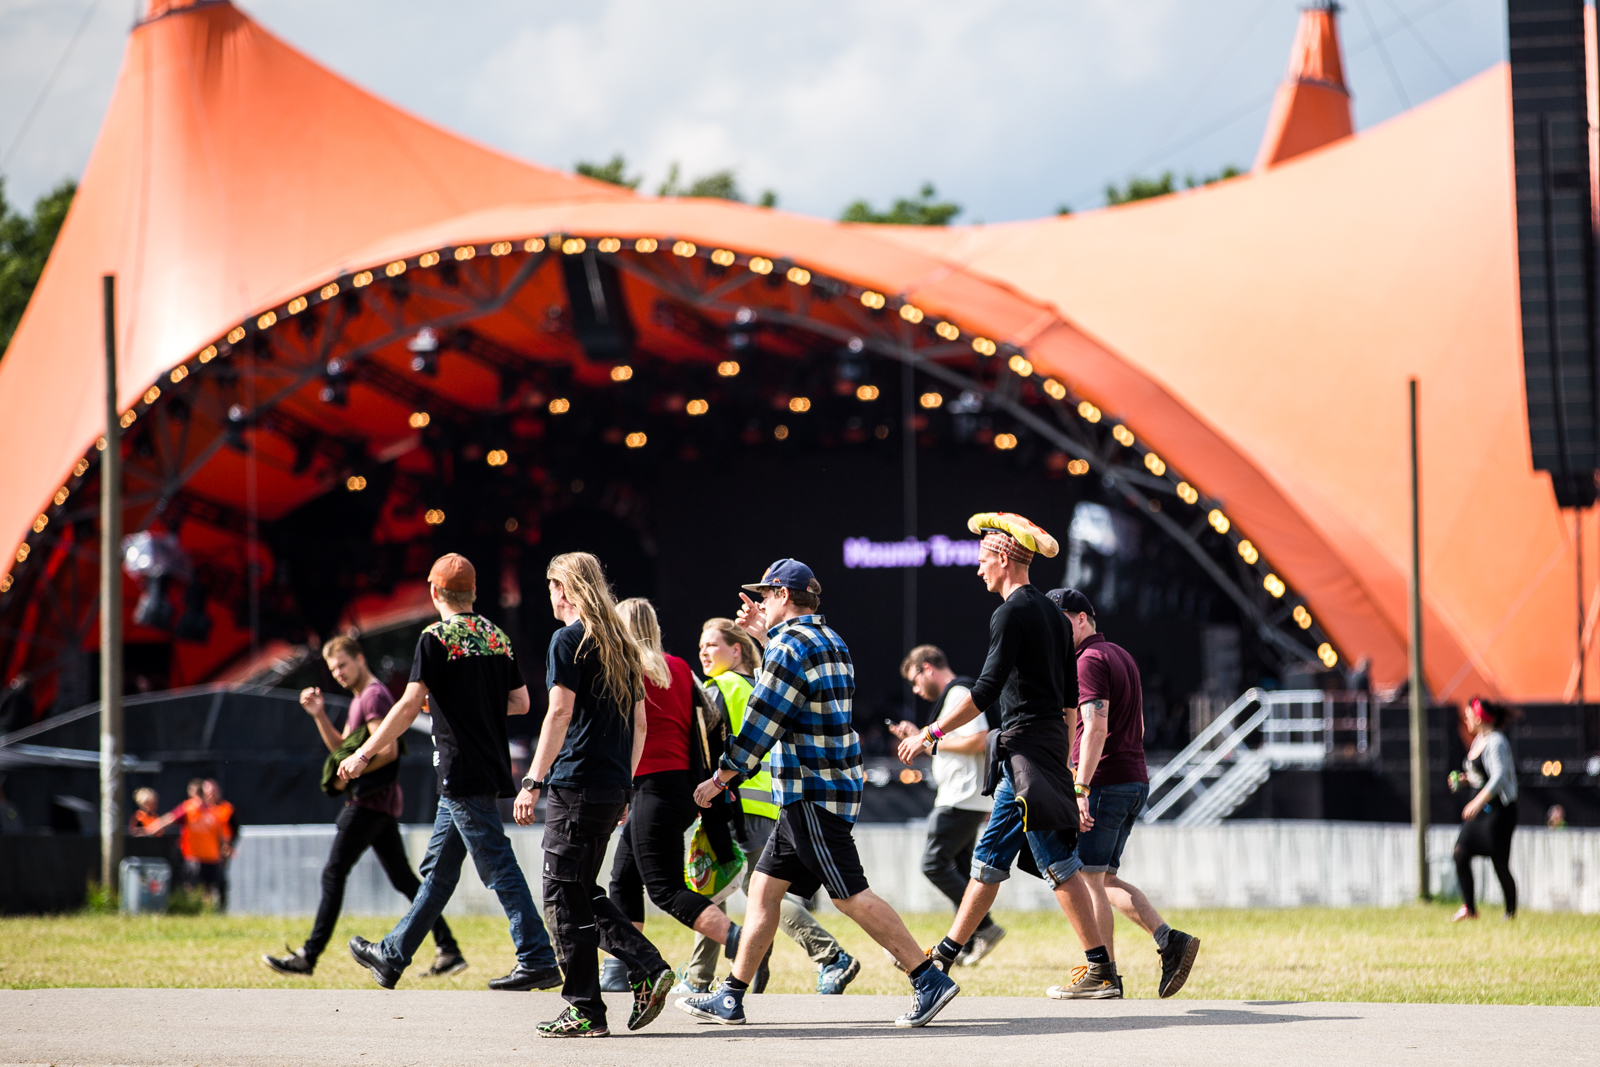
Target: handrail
[1201, 769]
[1203, 738]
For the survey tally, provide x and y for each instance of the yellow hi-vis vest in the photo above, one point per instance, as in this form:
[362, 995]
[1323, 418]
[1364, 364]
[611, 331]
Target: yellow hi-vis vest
[755, 794]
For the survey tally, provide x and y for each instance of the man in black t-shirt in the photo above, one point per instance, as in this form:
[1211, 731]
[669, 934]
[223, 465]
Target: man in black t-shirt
[464, 669]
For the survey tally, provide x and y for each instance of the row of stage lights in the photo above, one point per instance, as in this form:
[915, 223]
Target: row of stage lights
[871, 299]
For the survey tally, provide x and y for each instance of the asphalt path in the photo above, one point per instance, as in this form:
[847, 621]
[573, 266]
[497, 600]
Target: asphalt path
[360, 1028]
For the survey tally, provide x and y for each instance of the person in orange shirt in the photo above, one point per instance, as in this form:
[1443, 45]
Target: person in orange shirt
[144, 817]
[206, 838]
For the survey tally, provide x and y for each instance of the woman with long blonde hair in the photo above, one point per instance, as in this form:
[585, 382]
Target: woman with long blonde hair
[650, 855]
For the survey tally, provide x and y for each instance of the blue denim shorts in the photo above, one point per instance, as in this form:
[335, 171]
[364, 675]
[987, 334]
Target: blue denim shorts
[1115, 809]
[1004, 838]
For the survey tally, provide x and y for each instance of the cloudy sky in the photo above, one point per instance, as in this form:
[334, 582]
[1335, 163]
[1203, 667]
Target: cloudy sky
[1011, 108]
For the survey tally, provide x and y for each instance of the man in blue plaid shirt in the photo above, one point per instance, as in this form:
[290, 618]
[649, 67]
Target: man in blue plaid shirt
[800, 711]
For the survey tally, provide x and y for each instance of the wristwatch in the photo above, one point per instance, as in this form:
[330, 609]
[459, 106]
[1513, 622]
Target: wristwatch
[530, 783]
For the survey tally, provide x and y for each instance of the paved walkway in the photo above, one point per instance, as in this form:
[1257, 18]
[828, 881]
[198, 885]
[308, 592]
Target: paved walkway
[360, 1028]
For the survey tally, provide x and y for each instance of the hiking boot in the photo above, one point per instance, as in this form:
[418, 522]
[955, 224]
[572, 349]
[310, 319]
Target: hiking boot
[446, 963]
[523, 978]
[572, 1023]
[295, 963]
[1090, 981]
[930, 992]
[366, 953]
[982, 943]
[649, 997]
[1176, 959]
[832, 978]
[722, 1005]
[613, 976]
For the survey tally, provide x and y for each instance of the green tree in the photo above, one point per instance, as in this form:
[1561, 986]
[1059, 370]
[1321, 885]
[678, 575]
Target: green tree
[614, 172]
[1149, 188]
[718, 185]
[25, 244]
[925, 210]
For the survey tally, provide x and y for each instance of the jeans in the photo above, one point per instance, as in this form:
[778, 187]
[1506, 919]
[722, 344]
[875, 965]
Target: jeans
[650, 853]
[463, 825]
[1115, 810]
[794, 918]
[360, 829]
[1004, 837]
[578, 823]
[947, 858]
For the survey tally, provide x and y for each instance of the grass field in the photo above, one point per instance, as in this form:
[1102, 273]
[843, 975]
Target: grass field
[1407, 954]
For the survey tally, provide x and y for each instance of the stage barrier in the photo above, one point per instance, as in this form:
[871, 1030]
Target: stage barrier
[1255, 864]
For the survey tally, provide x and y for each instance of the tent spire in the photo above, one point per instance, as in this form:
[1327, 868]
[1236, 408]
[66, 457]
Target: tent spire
[1312, 107]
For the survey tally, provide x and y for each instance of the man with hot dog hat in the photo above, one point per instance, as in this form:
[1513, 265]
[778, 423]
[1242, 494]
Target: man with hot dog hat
[1030, 678]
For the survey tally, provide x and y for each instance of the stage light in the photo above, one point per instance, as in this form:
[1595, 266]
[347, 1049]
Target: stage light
[327, 292]
[872, 300]
[636, 440]
[799, 275]
[464, 253]
[236, 334]
[560, 406]
[1219, 522]
[577, 485]
[355, 483]
[910, 776]
[866, 392]
[433, 516]
[128, 418]
[1005, 442]
[1327, 655]
[1088, 412]
[1019, 365]
[781, 432]
[208, 353]
[152, 394]
[573, 245]
[911, 313]
[1154, 464]
[511, 525]
[395, 269]
[82, 465]
[1123, 435]
[1247, 552]
[99, 444]
[621, 373]
[948, 330]
[424, 348]
[336, 388]
[931, 400]
[22, 552]
[760, 265]
[881, 432]
[645, 245]
[683, 248]
[179, 373]
[1550, 768]
[61, 496]
[1188, 493]
[40, 522]
[266, 320]
[697, 407]
[983, 346]
[1056, 390]
[1274, 585]
[728, 368]
[1302, 617]
[429, 259]
[609, 244]
[722, 257]
[1078, 466]
[500, 248]
[362, 280]
[5, 583]
[497, 457]
[798, 404]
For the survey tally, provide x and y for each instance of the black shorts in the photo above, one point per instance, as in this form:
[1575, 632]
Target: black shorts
[812, 847]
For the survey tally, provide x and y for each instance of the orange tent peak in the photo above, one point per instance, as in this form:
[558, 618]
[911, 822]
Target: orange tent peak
[1312, 107]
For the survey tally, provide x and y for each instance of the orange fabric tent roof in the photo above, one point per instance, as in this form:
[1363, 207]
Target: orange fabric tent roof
[1256, 333]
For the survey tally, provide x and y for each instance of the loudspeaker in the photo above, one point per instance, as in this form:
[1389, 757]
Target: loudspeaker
[1555, 242]
[599, 315]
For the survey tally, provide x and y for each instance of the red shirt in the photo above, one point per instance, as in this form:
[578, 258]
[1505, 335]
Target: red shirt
[370, 706]
[668, 715]
[1106, 672]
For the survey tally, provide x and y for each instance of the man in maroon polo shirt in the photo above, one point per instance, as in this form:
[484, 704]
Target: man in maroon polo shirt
[1108, 757]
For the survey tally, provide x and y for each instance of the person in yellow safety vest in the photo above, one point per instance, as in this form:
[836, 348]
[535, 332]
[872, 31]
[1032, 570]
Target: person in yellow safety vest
[730, 658]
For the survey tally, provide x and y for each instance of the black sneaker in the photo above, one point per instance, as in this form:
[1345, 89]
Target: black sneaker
[572, 1023]
[295, 963]
[649, 997]
[446, 963]
[1176, 959]
[521, 979]
[983, 942]
[366, 953]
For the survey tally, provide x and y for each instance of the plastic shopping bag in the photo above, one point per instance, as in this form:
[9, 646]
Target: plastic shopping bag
[703, 874]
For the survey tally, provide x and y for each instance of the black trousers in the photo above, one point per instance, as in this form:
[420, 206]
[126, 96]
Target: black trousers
[581, 918]
[947, 858]
[649, 856]
[360, 829]
[1488, 835]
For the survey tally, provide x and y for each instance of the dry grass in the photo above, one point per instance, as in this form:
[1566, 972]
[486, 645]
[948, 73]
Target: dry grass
[1402, 954]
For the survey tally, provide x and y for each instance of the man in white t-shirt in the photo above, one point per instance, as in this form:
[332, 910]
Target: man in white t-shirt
[959, 810]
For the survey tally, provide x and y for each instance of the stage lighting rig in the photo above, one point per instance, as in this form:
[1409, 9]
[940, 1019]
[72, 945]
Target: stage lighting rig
[741, 334]
[424, 349]
[336, 383]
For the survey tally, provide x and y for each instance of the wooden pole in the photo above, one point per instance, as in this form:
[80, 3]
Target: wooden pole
[1419, 697]
[111, 828]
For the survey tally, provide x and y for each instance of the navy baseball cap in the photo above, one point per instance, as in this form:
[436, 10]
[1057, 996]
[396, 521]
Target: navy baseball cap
[786, 574]
[1071, 601]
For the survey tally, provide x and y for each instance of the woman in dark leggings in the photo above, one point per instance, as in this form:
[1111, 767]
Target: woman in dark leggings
[1490, 816]
[649, 857]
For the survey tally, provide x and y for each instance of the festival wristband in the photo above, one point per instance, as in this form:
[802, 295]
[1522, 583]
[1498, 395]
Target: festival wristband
[363, 757]
[936, 733]
[1081, 789]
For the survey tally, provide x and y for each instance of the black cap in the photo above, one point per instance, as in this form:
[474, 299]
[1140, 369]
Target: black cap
[1071, 601]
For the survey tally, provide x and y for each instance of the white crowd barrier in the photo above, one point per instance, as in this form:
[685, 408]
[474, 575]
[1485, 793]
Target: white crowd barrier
[1247, 864]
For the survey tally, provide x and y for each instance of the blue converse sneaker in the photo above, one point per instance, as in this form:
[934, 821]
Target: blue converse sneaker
[833, 977]
[930, 992]
[721, 1005]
